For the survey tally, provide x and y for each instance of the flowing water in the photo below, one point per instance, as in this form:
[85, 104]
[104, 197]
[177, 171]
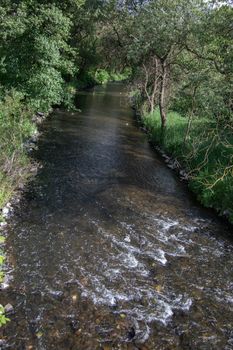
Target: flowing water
[108, 250]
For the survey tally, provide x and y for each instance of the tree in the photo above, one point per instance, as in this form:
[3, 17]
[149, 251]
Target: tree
[155, 34]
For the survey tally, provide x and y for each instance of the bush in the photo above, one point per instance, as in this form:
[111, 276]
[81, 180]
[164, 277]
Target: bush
[85, 80]
[102, 76]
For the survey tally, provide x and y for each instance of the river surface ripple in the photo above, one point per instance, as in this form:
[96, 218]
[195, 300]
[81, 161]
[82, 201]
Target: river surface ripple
[108, 250]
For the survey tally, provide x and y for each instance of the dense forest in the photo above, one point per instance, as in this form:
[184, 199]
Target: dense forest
[176, 56]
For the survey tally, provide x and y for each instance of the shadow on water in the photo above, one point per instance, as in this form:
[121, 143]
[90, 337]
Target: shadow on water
[108, 250]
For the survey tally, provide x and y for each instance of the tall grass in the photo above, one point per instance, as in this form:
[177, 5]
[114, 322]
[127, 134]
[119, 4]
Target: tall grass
[15, 128]
[205, 150]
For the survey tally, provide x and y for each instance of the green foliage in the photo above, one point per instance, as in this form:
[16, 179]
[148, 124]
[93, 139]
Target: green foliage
[35, 54]
[15, 128]
[86, 80]
[102, 76]
[120, 76]
[99, 76]
[3, 318]
[69, 92]
[2, 259]
[205, 152]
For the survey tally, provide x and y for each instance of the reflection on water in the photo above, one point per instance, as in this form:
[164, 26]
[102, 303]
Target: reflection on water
[108, 249]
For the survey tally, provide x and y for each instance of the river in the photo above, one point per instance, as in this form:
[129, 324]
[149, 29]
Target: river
[108, 249]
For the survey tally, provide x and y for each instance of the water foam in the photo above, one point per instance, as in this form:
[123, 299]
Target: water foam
[124, 279]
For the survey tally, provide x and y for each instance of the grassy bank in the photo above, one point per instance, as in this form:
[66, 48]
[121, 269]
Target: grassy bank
[15, 128]
[206, 153]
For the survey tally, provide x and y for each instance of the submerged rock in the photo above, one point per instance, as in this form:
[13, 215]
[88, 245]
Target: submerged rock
[38, 117]
[56, 295]
[74, 325]
[9, 309]
[2, 343]
[40, 114]
[6, 282]
[7, 210]
[131, 333]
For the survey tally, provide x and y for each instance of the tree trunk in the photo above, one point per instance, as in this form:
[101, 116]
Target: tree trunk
[162, 95]
[191, 114]
[155, 87]
[146, 87]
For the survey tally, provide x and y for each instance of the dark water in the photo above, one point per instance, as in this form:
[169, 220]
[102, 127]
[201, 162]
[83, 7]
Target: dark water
[107, 248]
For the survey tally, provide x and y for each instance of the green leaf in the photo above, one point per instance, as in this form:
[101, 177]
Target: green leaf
[2, 239]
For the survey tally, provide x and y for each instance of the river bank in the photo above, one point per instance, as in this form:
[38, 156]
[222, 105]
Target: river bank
[18, 137]
[199, 153]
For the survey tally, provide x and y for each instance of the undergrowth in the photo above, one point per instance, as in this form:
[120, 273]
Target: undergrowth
[15, 127]
[206, 152]
[3, 318]
[99, 76]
